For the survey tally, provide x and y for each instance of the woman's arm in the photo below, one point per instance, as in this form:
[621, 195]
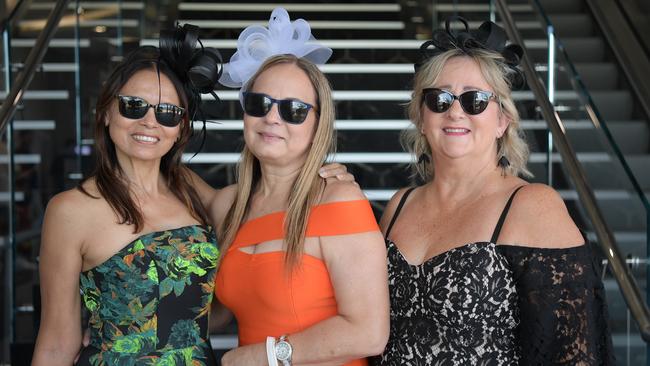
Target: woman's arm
[357, 269]
[220, 316]
[205, 191]
[563, 316]
[59, 336]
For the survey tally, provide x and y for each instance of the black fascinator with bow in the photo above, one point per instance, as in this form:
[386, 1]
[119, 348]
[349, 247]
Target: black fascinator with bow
[488, 36]
[197, 67]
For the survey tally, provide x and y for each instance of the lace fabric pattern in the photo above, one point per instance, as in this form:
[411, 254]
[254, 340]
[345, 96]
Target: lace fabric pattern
[562, 306]
[488, 304]
[457, 308]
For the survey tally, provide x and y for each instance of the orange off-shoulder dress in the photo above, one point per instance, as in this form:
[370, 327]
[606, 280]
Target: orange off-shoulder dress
[256, 288]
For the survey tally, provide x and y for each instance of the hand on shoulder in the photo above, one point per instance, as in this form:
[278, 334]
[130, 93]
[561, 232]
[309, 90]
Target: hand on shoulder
[538, 217]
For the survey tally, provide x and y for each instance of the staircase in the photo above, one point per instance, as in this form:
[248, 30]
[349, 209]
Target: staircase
[374, 46]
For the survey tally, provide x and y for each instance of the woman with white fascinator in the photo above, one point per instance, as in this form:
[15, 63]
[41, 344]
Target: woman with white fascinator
[304, 265]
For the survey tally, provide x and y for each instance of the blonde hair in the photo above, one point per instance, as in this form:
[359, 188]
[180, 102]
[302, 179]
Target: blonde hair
[512, 144]
[308, 185]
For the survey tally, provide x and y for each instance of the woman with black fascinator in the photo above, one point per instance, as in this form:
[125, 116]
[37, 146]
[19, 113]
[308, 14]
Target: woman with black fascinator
[484, 268]
[132, 243]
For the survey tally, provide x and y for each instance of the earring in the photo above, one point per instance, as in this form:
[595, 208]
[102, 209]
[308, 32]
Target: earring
[504, 163]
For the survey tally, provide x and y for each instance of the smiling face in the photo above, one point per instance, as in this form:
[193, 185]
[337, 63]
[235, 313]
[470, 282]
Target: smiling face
[455, 134]
[143, 139]
[270, 138]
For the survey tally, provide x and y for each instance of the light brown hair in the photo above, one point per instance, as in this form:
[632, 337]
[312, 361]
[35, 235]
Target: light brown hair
[512, 144]
[308, 185]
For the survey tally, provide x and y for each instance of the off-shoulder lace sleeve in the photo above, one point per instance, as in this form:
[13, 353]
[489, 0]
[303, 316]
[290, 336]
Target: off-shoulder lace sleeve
[563, 312]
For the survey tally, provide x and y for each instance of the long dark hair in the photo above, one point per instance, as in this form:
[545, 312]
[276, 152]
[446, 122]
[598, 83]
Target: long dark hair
[108, 174]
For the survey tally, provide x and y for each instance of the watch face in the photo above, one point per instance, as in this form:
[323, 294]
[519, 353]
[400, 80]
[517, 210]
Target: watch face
[283, 351]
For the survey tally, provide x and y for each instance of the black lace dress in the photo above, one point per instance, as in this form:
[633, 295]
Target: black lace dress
[489, 304]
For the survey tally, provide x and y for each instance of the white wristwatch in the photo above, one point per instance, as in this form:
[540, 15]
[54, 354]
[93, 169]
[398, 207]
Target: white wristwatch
[283, 351]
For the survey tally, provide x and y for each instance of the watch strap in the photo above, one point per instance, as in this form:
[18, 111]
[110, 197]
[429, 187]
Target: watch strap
[270, 351]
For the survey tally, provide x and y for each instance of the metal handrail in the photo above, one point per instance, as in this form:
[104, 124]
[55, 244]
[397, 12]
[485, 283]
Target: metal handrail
[606, 239]
[31, 62]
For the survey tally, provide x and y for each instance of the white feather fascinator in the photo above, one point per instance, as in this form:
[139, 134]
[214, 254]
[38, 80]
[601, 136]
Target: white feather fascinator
[257, 43]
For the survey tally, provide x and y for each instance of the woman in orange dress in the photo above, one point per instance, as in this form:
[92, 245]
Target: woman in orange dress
[304, 265]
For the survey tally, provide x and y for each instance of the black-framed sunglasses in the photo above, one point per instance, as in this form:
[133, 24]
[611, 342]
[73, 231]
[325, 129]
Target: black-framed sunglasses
[167, 114]
[473, 102]
[292, 111]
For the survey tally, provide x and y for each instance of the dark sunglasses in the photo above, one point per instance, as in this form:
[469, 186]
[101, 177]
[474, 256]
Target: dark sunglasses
[473, 102]
[167, 114]
[292, 111]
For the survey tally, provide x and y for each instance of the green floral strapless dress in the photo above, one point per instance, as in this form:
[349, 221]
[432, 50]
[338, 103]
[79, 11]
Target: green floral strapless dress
[149, 303]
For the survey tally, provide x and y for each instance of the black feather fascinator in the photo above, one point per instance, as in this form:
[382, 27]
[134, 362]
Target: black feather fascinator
[488, 36]
[197, 67]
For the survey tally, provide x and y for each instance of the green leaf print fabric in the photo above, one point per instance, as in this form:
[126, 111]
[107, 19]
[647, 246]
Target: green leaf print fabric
[149, 303]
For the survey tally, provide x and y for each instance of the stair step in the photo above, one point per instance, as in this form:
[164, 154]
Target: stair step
[579, 49]
[382, 158]
[596, 76]
[343, 44]
[585, 49]
[405, 95]
[572, 25]
[22, 159]
[18, 197]
[614, 105]
[125, 5]
[562, 6]
[47, 67]
[631, 137]
[291, 8]
[609, 173]
[314, 24]
[482, 7]
[85, 23]
[567, 195]
[39, 125]
[400, 124]
[41, 95]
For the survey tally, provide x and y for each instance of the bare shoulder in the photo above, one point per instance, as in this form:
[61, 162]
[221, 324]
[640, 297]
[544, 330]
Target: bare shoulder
[337, 190]
[540, 198]
[389, 211]
[221, 202]
[73, 203]
[539, 218]
[67, 216]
